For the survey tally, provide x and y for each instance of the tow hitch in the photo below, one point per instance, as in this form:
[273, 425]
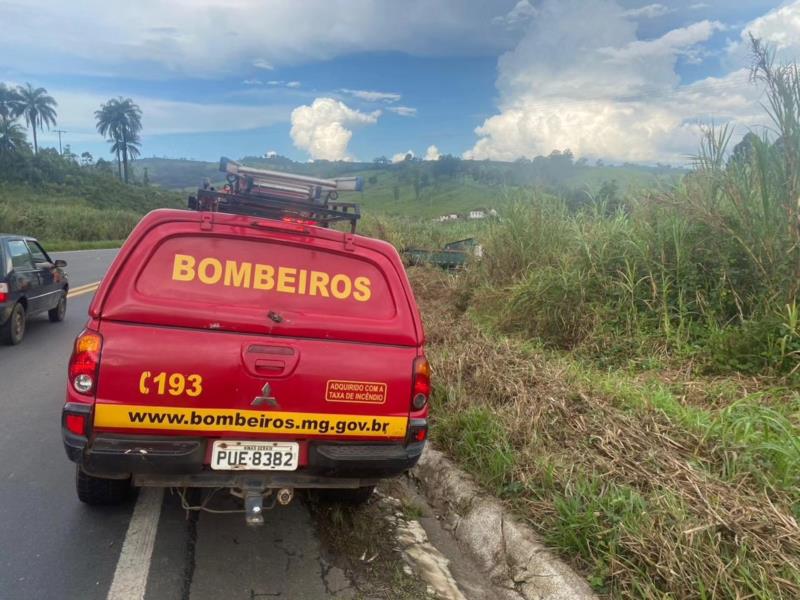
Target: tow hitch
[253, 499]
[253, 508]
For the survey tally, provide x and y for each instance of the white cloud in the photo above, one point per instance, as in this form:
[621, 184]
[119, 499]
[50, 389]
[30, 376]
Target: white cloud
[76, 115]
[522, 12]
[253, 82]
[372, 96]
[432, 153]
[668, 46]
[779, 28]
[277, 83]
[403, 111]
[580, 79]
[649, 11]
[159, 38]
[159, 117]
[260, 63]
[401, 156]
[270, 154]
[323, 128]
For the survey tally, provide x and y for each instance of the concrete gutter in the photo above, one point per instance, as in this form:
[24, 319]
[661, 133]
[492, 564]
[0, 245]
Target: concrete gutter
[507, 550]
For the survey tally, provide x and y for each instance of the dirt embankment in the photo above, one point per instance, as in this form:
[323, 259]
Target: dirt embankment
[642, 503]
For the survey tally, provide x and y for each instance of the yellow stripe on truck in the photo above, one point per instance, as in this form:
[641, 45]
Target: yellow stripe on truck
[120, 416]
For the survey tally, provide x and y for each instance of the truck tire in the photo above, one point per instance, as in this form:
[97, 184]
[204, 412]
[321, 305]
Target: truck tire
[13, 330]
[57, 314]
[353, 496]
[97, 491]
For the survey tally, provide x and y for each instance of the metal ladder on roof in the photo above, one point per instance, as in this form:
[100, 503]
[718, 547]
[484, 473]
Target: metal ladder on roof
[279, 195]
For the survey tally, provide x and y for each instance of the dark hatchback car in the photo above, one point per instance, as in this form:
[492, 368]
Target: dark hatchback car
[30, 283]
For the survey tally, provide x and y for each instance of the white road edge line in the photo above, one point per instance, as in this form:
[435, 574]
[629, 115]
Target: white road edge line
[133, 566]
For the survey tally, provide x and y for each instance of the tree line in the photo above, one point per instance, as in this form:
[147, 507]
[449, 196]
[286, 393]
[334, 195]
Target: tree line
[119, 120]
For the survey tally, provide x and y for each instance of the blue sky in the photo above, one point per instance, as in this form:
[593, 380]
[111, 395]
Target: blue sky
[356, 79]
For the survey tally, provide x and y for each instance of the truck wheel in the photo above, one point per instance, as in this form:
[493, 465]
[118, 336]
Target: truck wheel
[97, 491]
[12, 332]
[57, 314]
[354, 496]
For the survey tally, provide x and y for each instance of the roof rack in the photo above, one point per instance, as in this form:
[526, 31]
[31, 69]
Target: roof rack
[278, 195]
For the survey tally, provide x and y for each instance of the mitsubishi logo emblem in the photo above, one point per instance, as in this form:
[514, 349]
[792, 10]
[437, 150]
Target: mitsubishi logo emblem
[266, 396]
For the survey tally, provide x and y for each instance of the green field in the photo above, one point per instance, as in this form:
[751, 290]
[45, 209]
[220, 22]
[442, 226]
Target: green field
[427, 190]
[69, 207]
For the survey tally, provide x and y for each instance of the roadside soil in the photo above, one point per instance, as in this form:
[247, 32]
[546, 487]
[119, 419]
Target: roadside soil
[640, 504]
[396, 547]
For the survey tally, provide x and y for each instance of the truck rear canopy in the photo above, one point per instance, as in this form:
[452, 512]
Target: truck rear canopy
[251, 276]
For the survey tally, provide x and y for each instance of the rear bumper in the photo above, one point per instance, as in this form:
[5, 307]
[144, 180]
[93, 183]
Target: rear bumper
[172, 461]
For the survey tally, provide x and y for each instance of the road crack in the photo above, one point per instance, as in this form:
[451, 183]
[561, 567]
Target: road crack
[189, 554]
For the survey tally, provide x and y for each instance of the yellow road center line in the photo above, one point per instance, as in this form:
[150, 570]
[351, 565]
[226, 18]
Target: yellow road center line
[84, 286]
[83, 290]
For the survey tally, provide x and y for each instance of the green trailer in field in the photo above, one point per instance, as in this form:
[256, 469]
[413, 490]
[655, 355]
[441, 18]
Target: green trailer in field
[453, 256]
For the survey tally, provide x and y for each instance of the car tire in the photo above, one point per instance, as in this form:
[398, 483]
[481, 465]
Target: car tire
[13, 330]
[98, 491]
[57, 314]
[352, 496]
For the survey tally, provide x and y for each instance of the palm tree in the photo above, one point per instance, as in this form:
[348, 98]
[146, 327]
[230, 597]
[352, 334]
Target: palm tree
[8, 101]
[12, 136]
[129, 148]
[121, 119]
[115, 149]
[133, 147]
[37, 107]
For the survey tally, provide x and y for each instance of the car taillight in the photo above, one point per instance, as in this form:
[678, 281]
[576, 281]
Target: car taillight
[3, 292]
[85, 361]
[422, 383]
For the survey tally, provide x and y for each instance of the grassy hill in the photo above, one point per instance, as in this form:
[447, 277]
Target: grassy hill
[69, 206]
[176, 173]
[61, 202]
[430, 189]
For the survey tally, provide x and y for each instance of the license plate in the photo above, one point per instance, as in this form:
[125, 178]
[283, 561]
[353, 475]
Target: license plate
[254, 456]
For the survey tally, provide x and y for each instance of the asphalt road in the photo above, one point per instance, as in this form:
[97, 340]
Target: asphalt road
[52, 546]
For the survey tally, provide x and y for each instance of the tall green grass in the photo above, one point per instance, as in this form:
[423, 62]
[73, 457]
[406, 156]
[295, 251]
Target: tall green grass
[660, 484]
[66, 222]
[658, 279]
[707, 271]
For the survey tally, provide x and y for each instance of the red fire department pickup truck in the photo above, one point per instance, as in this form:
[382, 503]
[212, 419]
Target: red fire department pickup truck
[248, 345]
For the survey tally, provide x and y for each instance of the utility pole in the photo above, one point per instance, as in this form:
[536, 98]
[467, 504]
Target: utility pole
[59, 132]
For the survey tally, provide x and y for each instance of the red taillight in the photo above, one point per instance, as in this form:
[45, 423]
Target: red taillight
[3, 292]
[84, 362]
[422, 383]
[76, 424]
